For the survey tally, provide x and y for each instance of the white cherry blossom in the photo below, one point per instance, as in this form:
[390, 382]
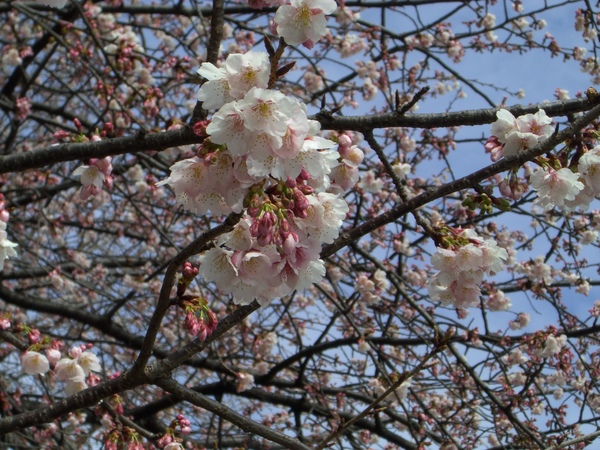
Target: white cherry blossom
[34, 363]
[303, 21]
[554, 187]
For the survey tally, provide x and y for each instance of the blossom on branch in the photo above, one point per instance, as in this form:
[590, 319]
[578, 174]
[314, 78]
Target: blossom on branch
[93, 176]
[303, 21]
[554, 187]
[34, 363]
[518, 134]
[462, 268]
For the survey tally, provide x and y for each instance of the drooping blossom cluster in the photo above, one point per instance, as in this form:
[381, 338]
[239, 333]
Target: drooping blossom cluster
[262, 154]
[200, 320]
[462, 267]
[75, 370]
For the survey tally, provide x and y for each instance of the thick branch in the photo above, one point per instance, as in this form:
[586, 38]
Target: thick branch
[185, 136]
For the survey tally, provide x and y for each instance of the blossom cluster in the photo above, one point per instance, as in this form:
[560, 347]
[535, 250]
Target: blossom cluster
[262, 156]
[462, 267]
[511, 135]
[72, 370]
[566, 187]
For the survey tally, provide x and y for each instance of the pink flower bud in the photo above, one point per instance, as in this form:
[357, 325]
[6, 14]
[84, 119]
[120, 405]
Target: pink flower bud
[165, 440]
[53, 355]
[108, 128]
[75, 352]
[202, 333]
[61, 134]
[304, 175]
[108, 182]
[191, 323]
[264, 239]
[34, 336]
[301, 201]
[345, 140]
[189, 271]
[211, 320]
[494, 147]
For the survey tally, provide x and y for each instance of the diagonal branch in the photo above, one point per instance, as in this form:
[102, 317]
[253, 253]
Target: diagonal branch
[229, 414]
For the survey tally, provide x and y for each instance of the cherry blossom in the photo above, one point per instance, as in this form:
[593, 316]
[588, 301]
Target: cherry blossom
[34, 363]
[303, 21]
[94, 176]
[554, 187]
[266, 235]
[589, 169]
[216, 91]
[518, 134]
[202, 185]
[461, 269]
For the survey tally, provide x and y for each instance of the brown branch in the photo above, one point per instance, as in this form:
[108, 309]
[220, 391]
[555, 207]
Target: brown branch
[204, 242]
[229, 414]
[185, 136]
[460, 184]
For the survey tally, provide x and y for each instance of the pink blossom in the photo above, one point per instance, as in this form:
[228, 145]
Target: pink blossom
[520, 322]
[518, 134]
[497, 301]
[554, 187]
[228, 127]
[325, 216]
[267, 111]
[370, 182]
[200, 186]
